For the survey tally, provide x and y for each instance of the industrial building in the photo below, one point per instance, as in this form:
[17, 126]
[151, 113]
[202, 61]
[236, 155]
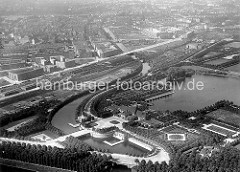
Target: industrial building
[25, 74]
[106, 49]
[62, 62]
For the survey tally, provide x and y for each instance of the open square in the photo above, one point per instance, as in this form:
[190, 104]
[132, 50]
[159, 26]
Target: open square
[107, 122]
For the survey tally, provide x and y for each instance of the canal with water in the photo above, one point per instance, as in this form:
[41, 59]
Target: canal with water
[67, 115]
[215, 89]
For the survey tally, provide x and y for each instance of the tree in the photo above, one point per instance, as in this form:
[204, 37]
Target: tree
[136, 161]
[1, 44]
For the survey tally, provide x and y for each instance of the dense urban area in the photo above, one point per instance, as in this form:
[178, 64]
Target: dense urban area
[120, 85]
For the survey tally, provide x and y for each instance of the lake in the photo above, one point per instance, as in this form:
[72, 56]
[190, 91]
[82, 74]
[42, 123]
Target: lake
[215, 89]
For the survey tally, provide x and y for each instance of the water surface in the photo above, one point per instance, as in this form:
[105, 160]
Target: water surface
[121, 148]
[67, 115]
[215, 89]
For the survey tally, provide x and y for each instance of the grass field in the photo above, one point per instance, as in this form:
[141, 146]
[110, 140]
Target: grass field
[225, 116]
[219, 130]
[177, 134]
[174, 130]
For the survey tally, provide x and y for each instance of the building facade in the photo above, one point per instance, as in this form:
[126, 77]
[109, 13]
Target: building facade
[25, 74]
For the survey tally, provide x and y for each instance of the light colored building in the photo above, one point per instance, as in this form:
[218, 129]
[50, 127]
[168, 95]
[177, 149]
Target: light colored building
[66, 64]
[51, 68]
[192, 46]
[106, 49]
[57, 58]
[24, 40]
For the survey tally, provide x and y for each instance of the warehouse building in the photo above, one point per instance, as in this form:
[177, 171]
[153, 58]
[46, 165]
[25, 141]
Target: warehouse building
[25, 74]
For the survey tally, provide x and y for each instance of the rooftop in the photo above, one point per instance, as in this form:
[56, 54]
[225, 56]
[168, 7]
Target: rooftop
[20, 71]
[106, 46]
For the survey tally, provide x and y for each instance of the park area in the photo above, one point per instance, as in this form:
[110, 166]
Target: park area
[219, 130]
[178, 136]
[225, 116]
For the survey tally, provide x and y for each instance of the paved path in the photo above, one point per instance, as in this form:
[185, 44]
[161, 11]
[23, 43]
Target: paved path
[75, 134]
[32, 142]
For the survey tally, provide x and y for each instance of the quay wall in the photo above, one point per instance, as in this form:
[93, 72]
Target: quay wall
[160, 96]
[139, 143]
[102, 135]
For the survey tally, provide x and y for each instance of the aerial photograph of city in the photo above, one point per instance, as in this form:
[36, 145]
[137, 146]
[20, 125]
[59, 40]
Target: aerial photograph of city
[119, 85]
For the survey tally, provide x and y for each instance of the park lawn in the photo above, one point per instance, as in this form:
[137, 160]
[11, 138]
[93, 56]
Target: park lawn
[225, 116]
[221, 130]
[177, 130]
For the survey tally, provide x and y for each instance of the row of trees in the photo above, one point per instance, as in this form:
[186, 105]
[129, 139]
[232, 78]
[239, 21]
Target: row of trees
[33, 126]
[177, 73]
[210, 139]
[96, 108]
[72, 159]
[227, 160]
[1, 44]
